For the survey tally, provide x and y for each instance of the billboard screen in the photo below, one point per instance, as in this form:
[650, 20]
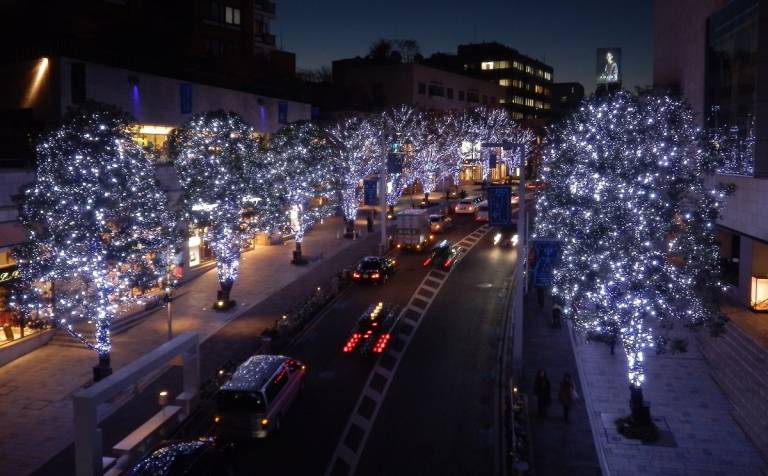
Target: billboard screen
[608, 65]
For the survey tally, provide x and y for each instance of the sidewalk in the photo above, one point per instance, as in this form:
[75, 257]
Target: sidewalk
[36, 389]
[698, 436]
[558, 448]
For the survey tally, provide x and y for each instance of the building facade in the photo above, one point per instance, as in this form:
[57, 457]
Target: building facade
[715, 57]
[527, 82]
[566, 98]
[370, 85]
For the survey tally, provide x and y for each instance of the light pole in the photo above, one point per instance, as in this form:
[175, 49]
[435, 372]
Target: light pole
[383, 200]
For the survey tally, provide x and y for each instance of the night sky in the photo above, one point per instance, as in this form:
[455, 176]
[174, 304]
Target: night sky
[562, 33]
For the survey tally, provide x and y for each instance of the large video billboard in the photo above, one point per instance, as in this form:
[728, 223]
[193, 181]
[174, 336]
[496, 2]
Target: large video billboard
[608, 65]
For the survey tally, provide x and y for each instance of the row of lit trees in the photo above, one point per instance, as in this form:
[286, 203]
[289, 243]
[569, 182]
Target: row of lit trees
[99, 223]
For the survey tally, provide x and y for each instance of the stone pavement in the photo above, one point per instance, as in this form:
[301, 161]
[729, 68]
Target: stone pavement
[558, 448]
[36, 389]
[698, 435]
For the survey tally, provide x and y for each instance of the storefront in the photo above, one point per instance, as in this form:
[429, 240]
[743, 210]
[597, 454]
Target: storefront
[12, 326]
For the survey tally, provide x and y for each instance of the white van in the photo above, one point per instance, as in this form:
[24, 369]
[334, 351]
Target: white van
[468, 205]
[481, 213]
[253, 402]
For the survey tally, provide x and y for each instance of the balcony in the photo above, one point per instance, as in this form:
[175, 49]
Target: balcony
[264, 6]
[264, 38]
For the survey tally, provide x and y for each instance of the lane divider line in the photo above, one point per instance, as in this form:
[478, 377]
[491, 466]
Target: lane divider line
[355, 435]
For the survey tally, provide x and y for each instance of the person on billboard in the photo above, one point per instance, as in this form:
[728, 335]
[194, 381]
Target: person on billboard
[611, 70]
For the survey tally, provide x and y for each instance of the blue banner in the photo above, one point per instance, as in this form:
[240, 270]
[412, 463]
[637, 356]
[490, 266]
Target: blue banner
[547, 253]
[185, 98]
[499, 205]
[370, 189]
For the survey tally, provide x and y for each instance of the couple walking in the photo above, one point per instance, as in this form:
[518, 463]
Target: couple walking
[567, 394]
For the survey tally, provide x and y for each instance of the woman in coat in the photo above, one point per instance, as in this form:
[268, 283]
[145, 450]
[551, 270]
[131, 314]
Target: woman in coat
[543, 393]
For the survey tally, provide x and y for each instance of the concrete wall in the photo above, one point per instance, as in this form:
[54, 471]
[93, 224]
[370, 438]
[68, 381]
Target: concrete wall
[156, 100]
[679, 47]
[745, 211]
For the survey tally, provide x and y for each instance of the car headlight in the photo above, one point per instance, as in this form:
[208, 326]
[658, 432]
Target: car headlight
[496, 238]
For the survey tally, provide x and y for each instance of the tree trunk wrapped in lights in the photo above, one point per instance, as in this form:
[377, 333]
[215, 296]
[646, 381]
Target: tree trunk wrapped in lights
[212, 150]
[99, 227]
[400, 130]
[354, 155]
[298, 158]
[628, 200]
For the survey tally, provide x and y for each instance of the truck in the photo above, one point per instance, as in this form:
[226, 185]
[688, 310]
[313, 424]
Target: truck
[411, 229]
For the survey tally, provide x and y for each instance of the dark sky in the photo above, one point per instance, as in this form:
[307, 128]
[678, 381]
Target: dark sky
[563, 33]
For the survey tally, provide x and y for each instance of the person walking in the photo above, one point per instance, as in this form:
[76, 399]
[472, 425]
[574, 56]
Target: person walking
[557, 315]
[543, 394]
[567, 395]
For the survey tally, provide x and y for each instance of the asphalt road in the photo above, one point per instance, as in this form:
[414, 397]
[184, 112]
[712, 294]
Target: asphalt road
[439, 416]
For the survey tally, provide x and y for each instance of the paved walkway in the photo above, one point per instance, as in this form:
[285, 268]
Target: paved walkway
[36, 389]
[559, 448]
[698, 435]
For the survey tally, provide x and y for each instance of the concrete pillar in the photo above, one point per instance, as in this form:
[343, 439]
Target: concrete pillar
[88, 442]
[745, 270]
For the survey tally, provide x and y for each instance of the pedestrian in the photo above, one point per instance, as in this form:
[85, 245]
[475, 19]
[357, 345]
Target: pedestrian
[567, 395]
[557, 315]
[543, 394]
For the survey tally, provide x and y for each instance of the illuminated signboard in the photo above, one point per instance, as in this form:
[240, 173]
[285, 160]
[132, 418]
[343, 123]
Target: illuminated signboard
[608, 65]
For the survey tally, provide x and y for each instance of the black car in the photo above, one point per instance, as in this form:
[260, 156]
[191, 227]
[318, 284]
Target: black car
[505, 237]
[444, 255]
[185, 458]
[374, 269]
[373, 330]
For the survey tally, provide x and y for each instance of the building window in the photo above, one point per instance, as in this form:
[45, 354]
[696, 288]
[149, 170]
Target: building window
[518, 66]
[529, 102]
[502, 101]
[547, 75]
[538, 89]
[449, 93]
[154, 139]
[505, 82]
[472, 97]
[461, 95]
[232, 16]
[215, 46]
[494, 65]
[528, 69]
[517, 100]
[436, 90]
[422, 88]
[486, 65]
[518, 116]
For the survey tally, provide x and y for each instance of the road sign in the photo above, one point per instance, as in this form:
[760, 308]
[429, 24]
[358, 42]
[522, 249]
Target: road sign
[499, 205]
[394, 163]
[547, 252]
[370, 189]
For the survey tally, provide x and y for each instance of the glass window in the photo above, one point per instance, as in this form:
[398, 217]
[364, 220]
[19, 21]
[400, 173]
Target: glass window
[449, 93]
[486, 65]
[472, 97]
[276, 385]
[436, 90]
[505, 82]
[232, 16]
[240, 401]
[461, 95]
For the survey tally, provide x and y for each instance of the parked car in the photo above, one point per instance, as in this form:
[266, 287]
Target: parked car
[374, 269]
[185, 458]
[438, 223]
[253, 402]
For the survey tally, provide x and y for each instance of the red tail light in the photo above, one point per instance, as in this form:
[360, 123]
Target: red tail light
[427, 261]
[381, 344]
[375, 276]
[352, 342]
[448, 263]
[355, 275]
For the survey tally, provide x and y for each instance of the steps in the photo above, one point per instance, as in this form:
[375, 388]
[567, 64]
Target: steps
[740, 367]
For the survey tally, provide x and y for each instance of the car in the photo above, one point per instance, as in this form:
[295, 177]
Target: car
[373, 330]
[185, 458]
[438, 223]
[257, 396]
[481, 213]
[374, 269]
[505, 237]
[468, 205]
[444, 255]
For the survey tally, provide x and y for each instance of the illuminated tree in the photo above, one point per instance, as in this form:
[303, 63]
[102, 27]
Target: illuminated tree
[99, 227]
[627, 197]
[493, 125]
[354, 154]
[433, 153]
[212, 151]
[401, 130]
[298, 157]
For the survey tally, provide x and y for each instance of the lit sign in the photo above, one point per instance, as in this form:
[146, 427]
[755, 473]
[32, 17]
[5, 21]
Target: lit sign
[608, 65]
[9, 275]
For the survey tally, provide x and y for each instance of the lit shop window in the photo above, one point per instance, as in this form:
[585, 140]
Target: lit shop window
[152, 138]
